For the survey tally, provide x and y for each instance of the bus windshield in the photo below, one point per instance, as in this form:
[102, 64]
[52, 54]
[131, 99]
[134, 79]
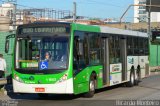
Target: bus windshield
[42, 53]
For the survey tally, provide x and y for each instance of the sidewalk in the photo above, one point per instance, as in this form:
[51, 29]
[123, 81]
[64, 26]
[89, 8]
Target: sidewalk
[3, 81]
[154, 73]
[7, 89]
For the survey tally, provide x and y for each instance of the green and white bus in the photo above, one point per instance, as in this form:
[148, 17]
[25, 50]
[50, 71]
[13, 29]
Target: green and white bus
[82, 58]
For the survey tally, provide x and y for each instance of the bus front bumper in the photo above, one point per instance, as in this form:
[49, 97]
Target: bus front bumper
[65, 87]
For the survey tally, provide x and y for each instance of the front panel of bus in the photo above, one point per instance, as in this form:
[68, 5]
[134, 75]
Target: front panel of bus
[42, 59]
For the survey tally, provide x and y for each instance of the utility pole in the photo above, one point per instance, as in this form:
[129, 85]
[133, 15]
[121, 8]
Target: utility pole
[149, 22]
[74, 11]
[14, 15]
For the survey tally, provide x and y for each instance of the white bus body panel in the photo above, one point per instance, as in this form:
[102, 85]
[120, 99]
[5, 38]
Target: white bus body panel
[135, 61]
[65, 87]
[117, 77]
[143, 61]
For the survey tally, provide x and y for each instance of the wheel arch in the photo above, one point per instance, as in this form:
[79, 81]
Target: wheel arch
[94, 73]
[138, 66]
[132, 69]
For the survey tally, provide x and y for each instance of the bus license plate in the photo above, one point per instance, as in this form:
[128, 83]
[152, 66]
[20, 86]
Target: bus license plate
[39, 89]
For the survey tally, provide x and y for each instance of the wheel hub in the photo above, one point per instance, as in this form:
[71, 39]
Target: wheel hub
[92, 86]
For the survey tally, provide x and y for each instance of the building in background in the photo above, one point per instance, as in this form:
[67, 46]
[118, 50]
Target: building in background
[6, 9]
[9, 11]
[110, 21]
[140, 14]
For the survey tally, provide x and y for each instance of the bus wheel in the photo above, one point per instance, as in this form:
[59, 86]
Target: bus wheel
[137, 79]
[41, 95]
[92, 85]
[132, 80]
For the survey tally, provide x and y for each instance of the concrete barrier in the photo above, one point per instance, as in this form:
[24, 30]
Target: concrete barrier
[4, 27]
[5, 20]
[4, 23]
[3, 81]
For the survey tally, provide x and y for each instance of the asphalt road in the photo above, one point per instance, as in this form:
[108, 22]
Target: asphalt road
[148, 89]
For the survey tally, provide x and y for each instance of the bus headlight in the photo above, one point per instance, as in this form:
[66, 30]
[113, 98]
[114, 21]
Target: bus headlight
[63, 78]
[17, 78]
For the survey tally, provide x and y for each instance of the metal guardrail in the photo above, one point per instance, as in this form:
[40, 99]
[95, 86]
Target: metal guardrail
[3, 81]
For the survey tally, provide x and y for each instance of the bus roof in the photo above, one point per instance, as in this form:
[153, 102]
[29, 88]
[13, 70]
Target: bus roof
[111, 30]
[122, 31]
[103, 29]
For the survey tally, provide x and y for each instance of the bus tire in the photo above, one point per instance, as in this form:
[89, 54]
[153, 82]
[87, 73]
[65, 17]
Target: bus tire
[137, 79]
[41, 95]
[132, 79]
[92, 85]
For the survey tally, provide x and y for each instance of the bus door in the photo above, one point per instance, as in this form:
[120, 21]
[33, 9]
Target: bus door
[105, 58]
[123, 51]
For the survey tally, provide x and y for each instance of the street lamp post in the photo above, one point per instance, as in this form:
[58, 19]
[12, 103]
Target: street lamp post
[74, 11]
[149, 16]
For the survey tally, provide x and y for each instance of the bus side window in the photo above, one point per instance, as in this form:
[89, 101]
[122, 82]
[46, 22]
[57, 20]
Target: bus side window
[78, 53]
[78, 61]
[75, 54]
[94, 44]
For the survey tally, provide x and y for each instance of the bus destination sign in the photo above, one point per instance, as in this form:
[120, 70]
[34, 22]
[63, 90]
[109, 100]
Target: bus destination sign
[43, 30]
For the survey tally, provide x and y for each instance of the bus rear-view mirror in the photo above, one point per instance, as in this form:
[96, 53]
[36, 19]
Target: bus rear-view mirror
[7, 46]
[7, 43]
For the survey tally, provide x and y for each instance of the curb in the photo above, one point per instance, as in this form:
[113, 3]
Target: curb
[6, 90]
[155, 73]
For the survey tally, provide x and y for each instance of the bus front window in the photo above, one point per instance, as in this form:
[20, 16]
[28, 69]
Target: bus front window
[42, 53]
